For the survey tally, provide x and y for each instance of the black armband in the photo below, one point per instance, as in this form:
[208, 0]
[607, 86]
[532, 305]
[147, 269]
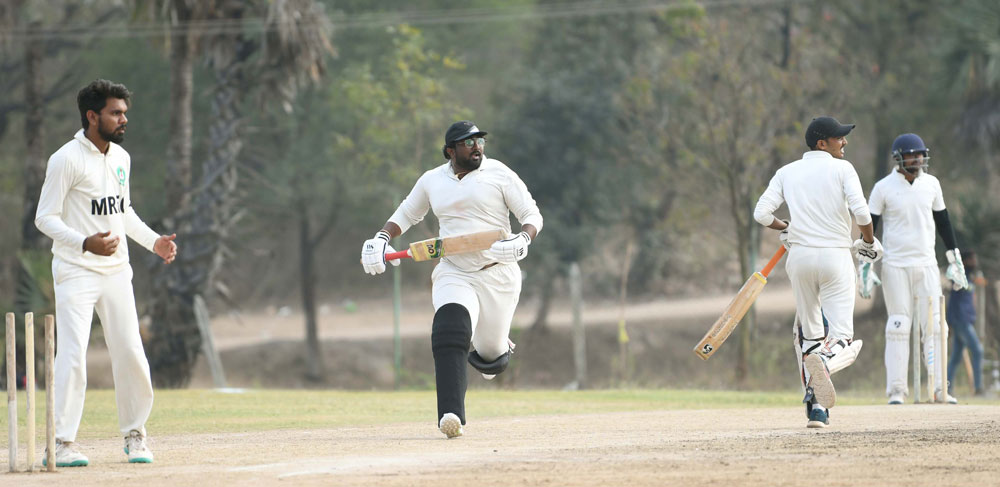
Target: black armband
[943, 224]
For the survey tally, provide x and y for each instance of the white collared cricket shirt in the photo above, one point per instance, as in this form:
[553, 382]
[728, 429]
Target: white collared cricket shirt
[482, 200]
[87, 192]
[906, 210]
[822, 193]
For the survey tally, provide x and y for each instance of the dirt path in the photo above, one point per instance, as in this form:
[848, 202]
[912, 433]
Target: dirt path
[926, 445]
[373, 319]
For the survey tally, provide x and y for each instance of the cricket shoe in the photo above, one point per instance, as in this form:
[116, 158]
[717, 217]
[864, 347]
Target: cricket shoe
[136, 449]
[818, 418]
[67, 455]
[948, 398]
[819, 380]
[896, 397]
[450, 425]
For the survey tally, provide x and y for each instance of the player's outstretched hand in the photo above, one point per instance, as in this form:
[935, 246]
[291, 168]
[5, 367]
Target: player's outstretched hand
[512, 249]
[166, 248]
[956, 270]
[101, 244]
[868, 279]
[867, 252]
[373, 253]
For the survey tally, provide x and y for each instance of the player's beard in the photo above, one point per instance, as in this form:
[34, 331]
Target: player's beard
[469, 163]
[113, 135]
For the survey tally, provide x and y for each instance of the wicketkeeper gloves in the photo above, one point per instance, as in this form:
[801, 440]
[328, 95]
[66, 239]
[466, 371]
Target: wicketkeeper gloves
[868, 279]
[956, 270]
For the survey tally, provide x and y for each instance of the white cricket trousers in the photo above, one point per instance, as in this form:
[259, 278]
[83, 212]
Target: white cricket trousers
[79, 291]
[899, 286]
[823, 282]
[490, 295]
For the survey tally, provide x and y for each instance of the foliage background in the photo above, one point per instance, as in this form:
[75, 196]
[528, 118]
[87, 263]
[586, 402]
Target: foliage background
[642, 123]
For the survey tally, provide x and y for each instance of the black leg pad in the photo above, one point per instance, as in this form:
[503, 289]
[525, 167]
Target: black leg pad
[493, 367]
[450, 337]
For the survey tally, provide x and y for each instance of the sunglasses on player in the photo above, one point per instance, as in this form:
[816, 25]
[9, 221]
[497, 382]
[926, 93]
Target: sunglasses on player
[469, 143]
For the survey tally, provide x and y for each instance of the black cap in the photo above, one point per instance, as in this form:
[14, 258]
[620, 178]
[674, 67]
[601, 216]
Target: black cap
[460, 131]
[826, 127]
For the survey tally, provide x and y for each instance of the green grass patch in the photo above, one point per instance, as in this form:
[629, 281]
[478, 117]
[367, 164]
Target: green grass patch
[208, 411]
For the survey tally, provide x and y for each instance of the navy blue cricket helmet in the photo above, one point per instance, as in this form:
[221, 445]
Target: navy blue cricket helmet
[910, 144]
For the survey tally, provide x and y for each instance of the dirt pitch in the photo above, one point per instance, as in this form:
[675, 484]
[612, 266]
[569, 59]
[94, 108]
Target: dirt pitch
[925, 445]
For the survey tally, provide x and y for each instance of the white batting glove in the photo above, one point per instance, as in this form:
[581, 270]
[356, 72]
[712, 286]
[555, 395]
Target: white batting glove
[511, 250]
[783, 237]
[956, 270]
[373, 253]
[868, 279]
[867, 252]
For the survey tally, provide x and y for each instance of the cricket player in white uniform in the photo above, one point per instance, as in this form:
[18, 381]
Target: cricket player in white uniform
[85, 206]
[911, 203]
[822, 191]
[474, 294]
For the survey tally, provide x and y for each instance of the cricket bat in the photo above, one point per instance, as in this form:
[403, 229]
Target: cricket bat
[738, 307]
[437, 247]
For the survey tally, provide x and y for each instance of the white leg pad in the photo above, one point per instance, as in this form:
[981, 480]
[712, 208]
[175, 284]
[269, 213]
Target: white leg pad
[897, 353]
[845, 357]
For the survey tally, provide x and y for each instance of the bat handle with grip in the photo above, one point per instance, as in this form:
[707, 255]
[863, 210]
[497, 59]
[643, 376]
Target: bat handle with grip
[771, 263]
[402, 254]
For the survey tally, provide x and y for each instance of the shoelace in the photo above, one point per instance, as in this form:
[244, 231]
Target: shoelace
[69, 447]
[136, 442]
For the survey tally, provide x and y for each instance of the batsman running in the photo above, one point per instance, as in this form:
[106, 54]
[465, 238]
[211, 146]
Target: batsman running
[474, 294]
[822, 191]
[911, 203]
[85, 207]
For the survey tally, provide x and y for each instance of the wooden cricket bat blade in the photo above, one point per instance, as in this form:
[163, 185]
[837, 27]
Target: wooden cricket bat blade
[736, 310]
[437, 247]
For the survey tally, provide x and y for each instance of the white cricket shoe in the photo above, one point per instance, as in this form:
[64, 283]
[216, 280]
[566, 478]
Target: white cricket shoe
[136, 449]
[67, 455]
[896, 397]
[948, 398]
[819, 380]
[450, 425]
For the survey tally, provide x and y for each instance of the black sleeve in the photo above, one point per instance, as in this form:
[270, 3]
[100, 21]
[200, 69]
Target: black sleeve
[875, 219]
[944, 229]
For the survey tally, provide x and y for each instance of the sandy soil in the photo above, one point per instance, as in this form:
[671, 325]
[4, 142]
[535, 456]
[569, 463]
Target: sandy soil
[924, 445]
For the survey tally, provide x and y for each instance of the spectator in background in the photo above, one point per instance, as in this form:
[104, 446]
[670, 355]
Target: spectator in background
[961, 315]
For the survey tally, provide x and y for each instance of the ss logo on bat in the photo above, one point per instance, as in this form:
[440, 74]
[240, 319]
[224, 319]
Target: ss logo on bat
[707, 349]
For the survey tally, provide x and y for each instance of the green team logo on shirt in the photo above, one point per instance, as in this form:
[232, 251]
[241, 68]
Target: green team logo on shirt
[121, 176]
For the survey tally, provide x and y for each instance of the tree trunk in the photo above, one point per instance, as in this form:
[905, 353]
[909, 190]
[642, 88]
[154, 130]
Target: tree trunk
[883, 146]
[182, 56]
[314, 355]
[202, 232]
[34, 135]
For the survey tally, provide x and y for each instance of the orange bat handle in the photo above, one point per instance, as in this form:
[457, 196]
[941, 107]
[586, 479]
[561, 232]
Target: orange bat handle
[402, 254]
[773, 262]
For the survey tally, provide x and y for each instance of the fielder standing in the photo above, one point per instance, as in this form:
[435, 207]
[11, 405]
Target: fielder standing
[474, 294]
[822, 191]
[86, 208]
[912, 205]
